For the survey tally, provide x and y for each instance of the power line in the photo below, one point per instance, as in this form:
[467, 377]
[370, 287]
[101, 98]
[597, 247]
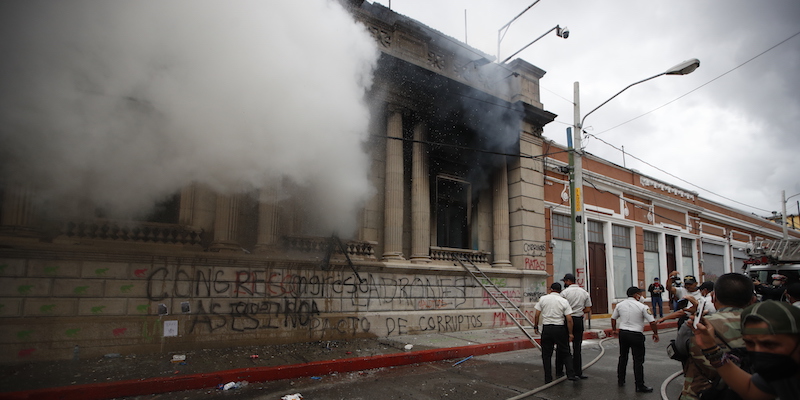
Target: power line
[676, 177]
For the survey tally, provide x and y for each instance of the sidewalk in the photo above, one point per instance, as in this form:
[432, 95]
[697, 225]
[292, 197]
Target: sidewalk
[396, 351]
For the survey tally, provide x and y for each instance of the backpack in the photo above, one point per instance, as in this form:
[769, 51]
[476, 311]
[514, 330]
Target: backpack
[678, 348]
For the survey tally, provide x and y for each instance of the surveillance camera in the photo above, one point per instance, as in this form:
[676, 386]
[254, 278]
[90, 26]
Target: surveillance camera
[564, 33]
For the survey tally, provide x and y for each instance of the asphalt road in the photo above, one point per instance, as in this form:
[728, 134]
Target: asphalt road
[508, 375]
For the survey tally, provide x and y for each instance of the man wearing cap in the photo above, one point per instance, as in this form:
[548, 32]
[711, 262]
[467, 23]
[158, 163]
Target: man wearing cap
[771, 333]
[556, 315]
[775, 290]
[689, 289]
[632, 316]
[581, 303]
[732, 293]
[656, 289]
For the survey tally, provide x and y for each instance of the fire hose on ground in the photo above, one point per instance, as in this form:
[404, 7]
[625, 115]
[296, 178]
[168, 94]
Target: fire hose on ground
[586, 366]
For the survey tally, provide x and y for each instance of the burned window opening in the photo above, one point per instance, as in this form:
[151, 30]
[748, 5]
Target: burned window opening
[453, 212]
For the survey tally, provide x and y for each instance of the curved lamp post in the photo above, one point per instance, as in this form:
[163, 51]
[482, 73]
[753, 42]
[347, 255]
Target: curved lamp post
[576, 183]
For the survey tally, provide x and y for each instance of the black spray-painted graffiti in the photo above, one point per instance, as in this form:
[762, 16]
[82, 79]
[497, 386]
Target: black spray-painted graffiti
[207, 282]
[240, 316]
[438, 323]
[267, 299]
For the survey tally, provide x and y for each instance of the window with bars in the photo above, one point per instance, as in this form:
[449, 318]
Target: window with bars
[562, 227]
[621, 236]
[687, 251]
[652, 263]
[623, 261]
[651, 241]
[595, 232]
[687, 246]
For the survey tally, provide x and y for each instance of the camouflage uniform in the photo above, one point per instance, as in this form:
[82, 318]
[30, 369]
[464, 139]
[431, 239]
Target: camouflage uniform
[697, 371]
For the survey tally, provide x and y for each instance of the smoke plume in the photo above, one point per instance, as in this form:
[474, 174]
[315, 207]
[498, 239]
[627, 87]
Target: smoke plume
[120, 104]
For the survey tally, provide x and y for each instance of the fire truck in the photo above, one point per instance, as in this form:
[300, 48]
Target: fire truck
[774, 256]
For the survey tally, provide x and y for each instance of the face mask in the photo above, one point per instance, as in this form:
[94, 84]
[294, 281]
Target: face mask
[641, 299]
[773, 366]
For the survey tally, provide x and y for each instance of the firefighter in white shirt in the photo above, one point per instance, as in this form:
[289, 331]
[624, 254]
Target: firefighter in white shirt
[581, 304]
[632, 316]
[556, 330]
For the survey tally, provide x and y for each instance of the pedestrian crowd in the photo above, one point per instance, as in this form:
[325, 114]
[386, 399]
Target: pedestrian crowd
[737, 338]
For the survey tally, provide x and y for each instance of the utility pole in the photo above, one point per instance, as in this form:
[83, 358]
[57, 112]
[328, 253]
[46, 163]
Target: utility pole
[783, 215]
[576, 195]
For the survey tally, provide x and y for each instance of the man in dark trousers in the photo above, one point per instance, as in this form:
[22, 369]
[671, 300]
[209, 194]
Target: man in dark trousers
[581, 304]
[656, 289]
[632, 316]
[555, 313]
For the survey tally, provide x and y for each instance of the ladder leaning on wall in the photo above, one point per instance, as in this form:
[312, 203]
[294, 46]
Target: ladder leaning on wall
[508, 306]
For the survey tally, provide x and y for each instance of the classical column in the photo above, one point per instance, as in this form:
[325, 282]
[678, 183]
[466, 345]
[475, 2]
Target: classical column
[420, 198]
[500, 226]
[225, 224]
[393, 211]
[267, 219]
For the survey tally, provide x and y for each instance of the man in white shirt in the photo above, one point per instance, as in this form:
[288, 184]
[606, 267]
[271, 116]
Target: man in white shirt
[689, 289]
[581, 303]
[555, 313]
[705, 290]
[632, 316]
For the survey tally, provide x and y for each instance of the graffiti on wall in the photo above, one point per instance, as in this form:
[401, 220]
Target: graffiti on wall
[272, 299]
[535, 256]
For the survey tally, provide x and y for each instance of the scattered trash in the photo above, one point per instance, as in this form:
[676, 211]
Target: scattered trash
[178, 358]
[296, 396]
[233, 385]
[348, 352]
[254, 357]
[408, 346]
[462, 361]
[112, 355]
[316, 378]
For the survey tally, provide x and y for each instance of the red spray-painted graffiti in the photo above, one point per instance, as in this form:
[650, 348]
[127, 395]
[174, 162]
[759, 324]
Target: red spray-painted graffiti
[535, 264]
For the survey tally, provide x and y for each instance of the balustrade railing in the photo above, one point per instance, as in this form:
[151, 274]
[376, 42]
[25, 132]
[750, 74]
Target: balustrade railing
[133, 232]
[451, 254]
[308, 244]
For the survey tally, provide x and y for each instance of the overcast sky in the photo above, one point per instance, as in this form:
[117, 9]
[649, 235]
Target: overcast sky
[727, 131]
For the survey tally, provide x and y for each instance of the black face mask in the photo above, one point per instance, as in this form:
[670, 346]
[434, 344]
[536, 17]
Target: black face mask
[773, 366]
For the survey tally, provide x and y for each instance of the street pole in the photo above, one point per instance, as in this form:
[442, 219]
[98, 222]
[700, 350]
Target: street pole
[576, 195]
[579, 245]
[783, 212]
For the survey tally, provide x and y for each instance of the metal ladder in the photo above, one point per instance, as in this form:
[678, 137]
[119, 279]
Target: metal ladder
[511, 309]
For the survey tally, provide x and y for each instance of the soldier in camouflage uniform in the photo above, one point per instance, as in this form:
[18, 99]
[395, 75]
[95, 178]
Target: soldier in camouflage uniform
[731, 294]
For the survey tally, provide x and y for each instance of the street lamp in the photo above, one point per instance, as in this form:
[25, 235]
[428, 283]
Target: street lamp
[783, 205]
[576, 168]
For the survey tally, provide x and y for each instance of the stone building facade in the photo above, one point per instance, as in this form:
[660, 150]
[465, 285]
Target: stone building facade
[456, 150]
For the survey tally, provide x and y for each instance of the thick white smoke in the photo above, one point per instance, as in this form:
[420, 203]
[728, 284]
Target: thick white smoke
[120, 104]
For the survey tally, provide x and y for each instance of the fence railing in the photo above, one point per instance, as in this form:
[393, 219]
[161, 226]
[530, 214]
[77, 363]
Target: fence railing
[451, 254]
[133, 232]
